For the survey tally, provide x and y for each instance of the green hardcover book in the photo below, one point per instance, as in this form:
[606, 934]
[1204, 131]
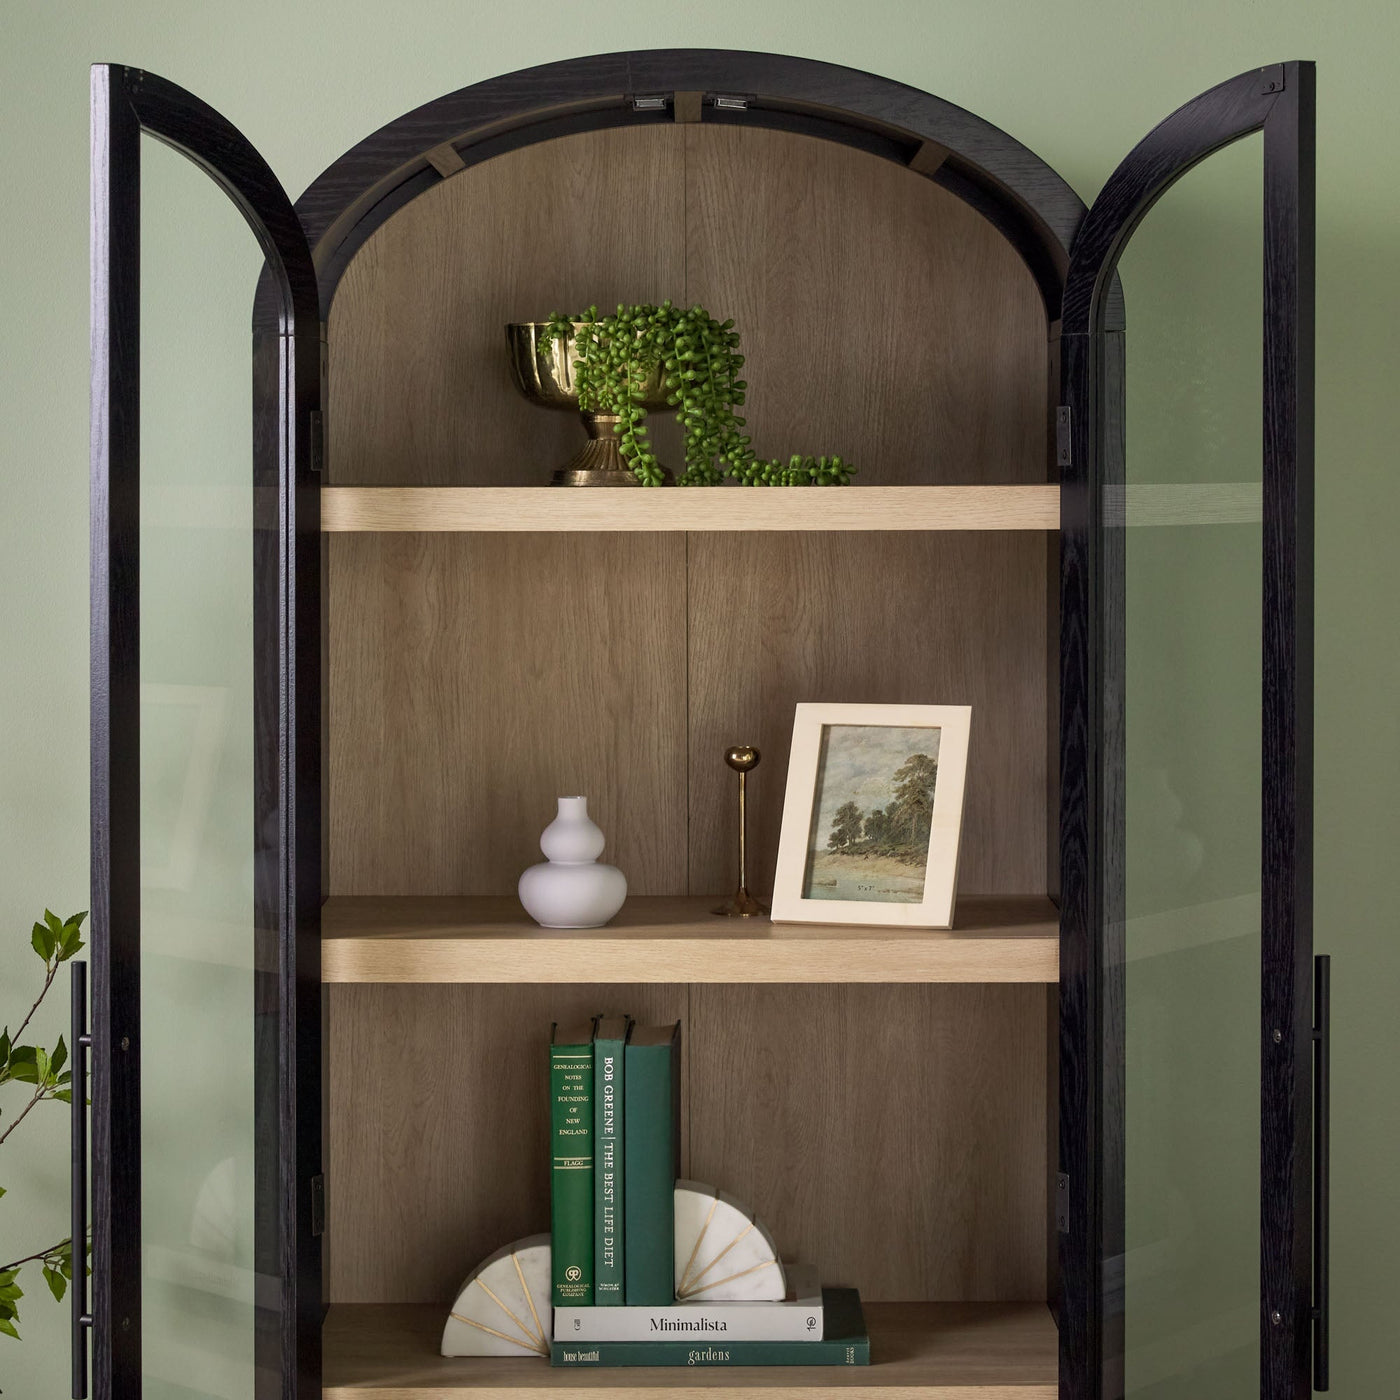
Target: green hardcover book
[609, 1175]
[844, 1342]
[571, 1174]
[651, 1134]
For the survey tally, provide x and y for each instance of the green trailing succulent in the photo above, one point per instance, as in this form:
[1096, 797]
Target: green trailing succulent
[45, 1077]
[618, 355]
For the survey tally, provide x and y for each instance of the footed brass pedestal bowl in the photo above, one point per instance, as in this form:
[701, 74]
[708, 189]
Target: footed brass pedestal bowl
[544, 371]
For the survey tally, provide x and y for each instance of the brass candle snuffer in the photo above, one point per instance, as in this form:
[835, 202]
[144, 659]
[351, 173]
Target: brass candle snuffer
[742, 758]
[544, 369]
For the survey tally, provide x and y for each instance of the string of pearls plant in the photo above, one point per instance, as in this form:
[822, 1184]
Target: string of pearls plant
[617, 354]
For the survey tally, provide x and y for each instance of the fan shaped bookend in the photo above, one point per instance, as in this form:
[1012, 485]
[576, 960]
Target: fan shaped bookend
[722, 1251]
[503, 1309]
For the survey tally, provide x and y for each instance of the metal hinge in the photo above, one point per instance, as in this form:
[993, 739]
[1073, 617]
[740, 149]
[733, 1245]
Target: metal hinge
[1064, 421]
[318, 1206]
[651, 102]
[730, 102]
[1062, 1203]
[318, 442]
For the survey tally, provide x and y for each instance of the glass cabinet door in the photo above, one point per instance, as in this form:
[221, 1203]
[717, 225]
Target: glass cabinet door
[1190, 508]
[199, 837]
[1186, 1019]
[196, 725]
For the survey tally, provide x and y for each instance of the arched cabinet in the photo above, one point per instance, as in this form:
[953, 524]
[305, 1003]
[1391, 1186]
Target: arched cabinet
[436, 647]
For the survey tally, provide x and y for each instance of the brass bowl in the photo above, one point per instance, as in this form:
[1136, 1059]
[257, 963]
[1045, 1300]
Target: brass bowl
[545, 371]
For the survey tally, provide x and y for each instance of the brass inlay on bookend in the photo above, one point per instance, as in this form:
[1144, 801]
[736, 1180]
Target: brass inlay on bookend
[742, 758]
[544, 371]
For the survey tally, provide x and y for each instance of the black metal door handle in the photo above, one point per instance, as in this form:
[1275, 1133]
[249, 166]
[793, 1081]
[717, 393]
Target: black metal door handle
[78, 1218]
[1322, 1157]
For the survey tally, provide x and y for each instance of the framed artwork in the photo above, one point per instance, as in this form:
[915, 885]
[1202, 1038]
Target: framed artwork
[873, 815]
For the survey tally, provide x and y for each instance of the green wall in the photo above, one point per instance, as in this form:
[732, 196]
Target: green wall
[1078, 82]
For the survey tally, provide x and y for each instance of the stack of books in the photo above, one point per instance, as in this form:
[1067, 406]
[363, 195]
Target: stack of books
[615, 1144]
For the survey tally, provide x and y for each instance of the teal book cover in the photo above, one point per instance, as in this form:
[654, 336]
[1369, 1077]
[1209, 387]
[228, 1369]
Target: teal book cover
[651, 1159]
[844, 1342]
[609, 1168]
[571, 1163]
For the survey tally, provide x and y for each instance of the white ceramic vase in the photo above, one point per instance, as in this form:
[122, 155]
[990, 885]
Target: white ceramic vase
[570, 889]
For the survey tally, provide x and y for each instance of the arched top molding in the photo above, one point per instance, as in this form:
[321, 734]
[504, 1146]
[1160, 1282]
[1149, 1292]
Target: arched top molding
[177, 118]
[1011, 186]
[1220, 116]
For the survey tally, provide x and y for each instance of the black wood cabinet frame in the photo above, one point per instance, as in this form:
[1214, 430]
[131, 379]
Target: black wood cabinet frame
[1072, 256]
[1279, 101]
[286, 562]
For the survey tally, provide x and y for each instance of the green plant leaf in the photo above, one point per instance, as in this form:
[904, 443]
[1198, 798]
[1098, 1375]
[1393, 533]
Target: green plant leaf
[72, 940]
[23, 1064]
[58, 1285]
[59, 1057]
[8, 1328]
[42, 941]
[9, 1292]
[63, 1095]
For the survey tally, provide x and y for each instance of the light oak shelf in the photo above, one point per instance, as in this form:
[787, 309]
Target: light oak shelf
[511, 508]
[664, 939]
[932, 1351]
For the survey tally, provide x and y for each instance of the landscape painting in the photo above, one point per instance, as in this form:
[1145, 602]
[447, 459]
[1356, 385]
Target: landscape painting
[872, 814]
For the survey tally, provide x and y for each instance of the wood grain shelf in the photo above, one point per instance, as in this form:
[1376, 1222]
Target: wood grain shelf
[932, 1351]
[536, 508]
[663, 939]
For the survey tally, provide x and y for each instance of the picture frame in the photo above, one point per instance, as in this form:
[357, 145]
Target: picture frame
[872, 816]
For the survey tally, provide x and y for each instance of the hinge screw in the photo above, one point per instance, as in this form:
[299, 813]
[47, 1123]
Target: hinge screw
[1278, 1037]
[1276, 1318]
[126, 1042]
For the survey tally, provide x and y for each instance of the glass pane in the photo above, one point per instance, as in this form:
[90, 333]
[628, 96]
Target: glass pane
[200, 263]
[1193, 278]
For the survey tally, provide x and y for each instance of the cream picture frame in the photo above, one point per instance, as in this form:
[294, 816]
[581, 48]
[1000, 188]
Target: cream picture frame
[841, 755]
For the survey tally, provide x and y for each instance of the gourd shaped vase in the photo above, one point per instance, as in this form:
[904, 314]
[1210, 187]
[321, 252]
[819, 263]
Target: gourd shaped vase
[570, 889]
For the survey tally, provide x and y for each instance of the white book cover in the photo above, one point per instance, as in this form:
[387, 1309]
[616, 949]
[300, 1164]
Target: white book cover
[797, 1318]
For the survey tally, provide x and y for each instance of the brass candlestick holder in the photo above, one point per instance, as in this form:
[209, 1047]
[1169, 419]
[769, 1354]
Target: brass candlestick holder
[544, 370]
[742, 758]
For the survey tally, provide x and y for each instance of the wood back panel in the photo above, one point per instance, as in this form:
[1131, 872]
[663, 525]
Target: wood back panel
[882, 317]
[953, 619]
[476, 678]
[472, 678]
[420, 391]
[438, 1126]
[892, 1136]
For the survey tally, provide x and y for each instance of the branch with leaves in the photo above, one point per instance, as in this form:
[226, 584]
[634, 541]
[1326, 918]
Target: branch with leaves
[55, 940]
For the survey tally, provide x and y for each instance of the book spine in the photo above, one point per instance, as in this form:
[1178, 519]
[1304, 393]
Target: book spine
[650, 1130]
[855, 1352]
[740, 1322]
[609, 1177]
[571, 1176]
